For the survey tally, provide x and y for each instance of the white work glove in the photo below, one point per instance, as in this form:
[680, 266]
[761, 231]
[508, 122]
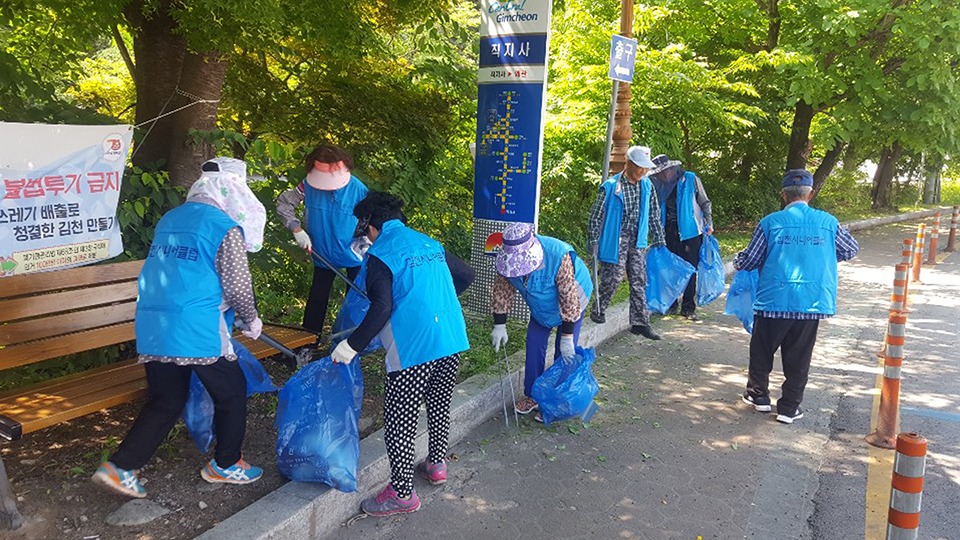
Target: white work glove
[303, 239]
[344, 353]
[253, 329]
[359, 246]
[567, 348]
[499, 336]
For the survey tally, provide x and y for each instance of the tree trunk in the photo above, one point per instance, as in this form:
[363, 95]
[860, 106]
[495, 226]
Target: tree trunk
[773, 25]
[202, 78]
[746, 166]
[883, 178]
[830, 160]
[800, 136]
[159, 51]
[850, 159]
[931, 180]
[9, 516]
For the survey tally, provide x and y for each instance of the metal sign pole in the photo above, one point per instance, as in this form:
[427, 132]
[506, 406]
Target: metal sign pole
[606, 173]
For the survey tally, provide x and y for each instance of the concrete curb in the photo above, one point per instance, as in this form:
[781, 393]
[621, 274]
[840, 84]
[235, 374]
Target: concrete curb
[312, 511]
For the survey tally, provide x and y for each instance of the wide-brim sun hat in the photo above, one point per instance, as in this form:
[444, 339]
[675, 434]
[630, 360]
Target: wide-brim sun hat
[328, 176]
[640, 156]
[662, 163]
[521, 254]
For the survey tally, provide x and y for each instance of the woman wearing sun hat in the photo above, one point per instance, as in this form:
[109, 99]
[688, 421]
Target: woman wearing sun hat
[555, 284]
[329, 194]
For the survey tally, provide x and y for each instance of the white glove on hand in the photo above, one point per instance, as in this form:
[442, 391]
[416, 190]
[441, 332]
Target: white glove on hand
[344, 353]
[303, 239]
[253, 329]
[499, 336]
[567, 348]
[359, 246]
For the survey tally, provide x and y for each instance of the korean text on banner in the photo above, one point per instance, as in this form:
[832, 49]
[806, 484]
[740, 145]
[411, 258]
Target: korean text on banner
[60, 186]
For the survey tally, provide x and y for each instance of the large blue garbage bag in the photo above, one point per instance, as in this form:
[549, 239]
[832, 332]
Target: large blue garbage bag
[351, 314]
[198, 412]
[318, 438]
[567, 388]
[667, 277]
[710, 274]
[740, 297]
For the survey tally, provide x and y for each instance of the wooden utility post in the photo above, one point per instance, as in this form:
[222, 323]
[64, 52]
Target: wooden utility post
[622, 131]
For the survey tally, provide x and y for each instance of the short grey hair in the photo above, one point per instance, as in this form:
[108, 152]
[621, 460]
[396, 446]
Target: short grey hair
[795, 193]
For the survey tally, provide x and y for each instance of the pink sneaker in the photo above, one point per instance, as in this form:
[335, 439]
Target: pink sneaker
[388, 503]
[435, 473]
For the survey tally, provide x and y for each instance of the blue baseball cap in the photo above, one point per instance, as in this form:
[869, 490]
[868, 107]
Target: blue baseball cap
[797, 177]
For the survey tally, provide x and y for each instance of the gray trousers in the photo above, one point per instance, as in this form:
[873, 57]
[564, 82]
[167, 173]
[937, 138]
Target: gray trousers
[633, 263]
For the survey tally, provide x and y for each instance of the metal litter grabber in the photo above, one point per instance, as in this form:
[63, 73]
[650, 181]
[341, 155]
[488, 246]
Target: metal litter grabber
[300, 359]
[501, 364]
[341, 275]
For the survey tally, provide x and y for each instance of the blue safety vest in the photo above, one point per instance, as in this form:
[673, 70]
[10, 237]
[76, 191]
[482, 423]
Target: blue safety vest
[799, 274]
[689, 213]
[540, 291]
[178, 307]
[331, 223]
[427, 320]
[609, 247]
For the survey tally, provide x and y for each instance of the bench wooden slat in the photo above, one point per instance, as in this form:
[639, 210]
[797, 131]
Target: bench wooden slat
[108, 397]
[59, 384]
[290, 337]
[66, 394]
[21, 308]
[55, 325]
[27, 284]
[44, 349]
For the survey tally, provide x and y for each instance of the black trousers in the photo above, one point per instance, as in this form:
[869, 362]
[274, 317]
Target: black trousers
[688, 250]
[168, 387]
[316, 311]
[795, 339]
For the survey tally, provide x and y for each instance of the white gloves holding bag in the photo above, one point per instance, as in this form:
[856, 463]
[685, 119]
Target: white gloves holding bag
[499, 336]
[344, 353]
[303, 239]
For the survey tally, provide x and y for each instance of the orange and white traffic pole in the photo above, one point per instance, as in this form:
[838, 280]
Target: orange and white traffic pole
[953, 228]
[898, 300]
[905, 258]
[885, 434]
[906, 491]
[934, 235]
[918, 252]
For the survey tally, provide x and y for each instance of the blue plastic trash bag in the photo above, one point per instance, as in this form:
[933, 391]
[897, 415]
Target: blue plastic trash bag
[198, 412]
[667, 277]
[318, 439]
[710, 274]
[740, 297]
[567, 388]
[351, 314]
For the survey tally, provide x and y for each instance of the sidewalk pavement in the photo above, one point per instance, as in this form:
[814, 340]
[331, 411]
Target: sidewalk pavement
[673, 453]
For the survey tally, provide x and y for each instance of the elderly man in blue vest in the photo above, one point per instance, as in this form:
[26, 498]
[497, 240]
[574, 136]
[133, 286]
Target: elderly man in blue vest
[796, 251]
[625, 213]
[687, 215]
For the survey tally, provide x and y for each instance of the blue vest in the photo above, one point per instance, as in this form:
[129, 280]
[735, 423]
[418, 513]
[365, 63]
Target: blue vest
[427, 320]
[689, 213]
[540, 291]
[178, 308]
[799, 274]
[609, 247]
[330, 221]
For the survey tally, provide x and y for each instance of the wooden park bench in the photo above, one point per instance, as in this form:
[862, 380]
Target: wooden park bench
[52, 314]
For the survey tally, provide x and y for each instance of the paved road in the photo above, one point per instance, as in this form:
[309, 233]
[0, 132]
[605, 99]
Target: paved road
[673, 454]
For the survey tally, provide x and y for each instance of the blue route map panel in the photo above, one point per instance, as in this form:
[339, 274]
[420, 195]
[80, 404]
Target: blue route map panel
[508, 147]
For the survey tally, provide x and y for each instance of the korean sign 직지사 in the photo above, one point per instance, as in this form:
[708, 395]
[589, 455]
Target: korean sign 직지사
[59, 189]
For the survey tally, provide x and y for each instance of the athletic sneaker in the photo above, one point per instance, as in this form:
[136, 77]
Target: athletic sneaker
[239, 473]
[526, 406]
[789, 418]
[388, 503]
[119, 480]
[760, 403]
[435, 473]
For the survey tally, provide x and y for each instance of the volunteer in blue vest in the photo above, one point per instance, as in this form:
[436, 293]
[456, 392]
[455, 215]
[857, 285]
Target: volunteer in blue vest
[687, 215]
[195, 283]
[328, 194]
[796, 251]
[555, 284]
[624, 214]
[413, 284]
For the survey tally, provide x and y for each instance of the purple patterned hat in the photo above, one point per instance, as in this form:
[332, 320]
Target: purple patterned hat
[521, 254]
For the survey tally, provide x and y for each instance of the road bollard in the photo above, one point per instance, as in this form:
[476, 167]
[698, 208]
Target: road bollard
[905, 258]
[898, 299]
[885, 434]
[918, 252]
[934, 235]
[953, 228]
[906, 491]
